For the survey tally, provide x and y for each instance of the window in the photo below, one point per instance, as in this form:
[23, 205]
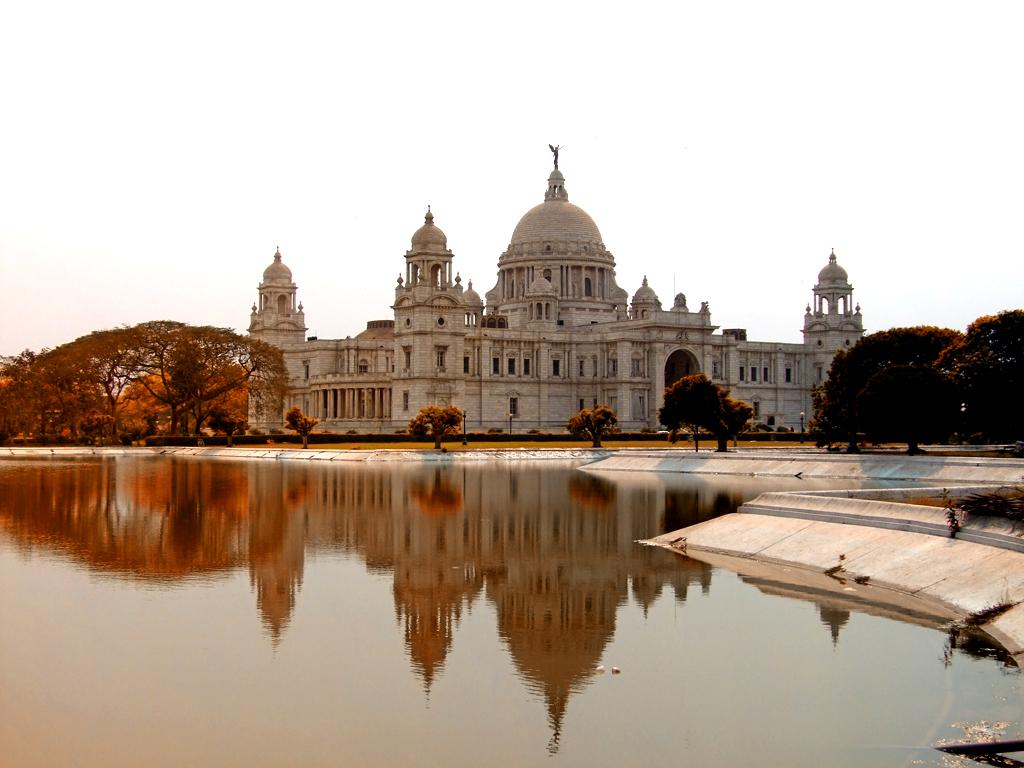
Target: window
[496, 366]
[405, 401]
[511, 366]
[757, 410]
[613, 366]
[465, 364]
[764, 375]
[753, 373]
[817, 372]
[743, 372]
[716, 369]
[526, 366]
[305, 369]
[364, 366]
[582, 406]
[556, 366]
[440, 359]
[789, 375]
[634, 368]
[408, 359]
[582, 362]
[513, 406]
[588, 287]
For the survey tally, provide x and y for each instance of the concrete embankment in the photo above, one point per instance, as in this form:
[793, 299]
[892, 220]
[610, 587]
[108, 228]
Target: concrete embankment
[874, 539]
[798, 463]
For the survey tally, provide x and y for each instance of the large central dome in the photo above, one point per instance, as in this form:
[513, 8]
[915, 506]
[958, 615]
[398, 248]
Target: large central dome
[556, 219]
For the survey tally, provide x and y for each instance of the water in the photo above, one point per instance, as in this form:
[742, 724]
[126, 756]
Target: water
[168, 612]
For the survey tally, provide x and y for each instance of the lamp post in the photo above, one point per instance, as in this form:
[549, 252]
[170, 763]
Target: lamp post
[802, 414]
[464, 427]
[510, 415]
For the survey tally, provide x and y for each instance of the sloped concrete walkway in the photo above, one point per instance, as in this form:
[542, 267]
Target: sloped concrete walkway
[874, 538]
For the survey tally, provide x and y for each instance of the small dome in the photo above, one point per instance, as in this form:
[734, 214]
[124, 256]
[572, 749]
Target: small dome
[471, 297]
[832, 273]
[428, 237]
[541, 285]
[645, 294]
[277, 270]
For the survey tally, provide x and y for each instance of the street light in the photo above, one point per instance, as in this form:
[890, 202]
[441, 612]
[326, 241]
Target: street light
[802, 414]
[510, 415]
[464, 427]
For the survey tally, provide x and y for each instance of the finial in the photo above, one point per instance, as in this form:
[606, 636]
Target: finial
[645, 280]
[458, 279]
[429, 218]
[471, 285]
[400, 280]
[300, 306]
[832, 257]
[277, 253]
[254, 307]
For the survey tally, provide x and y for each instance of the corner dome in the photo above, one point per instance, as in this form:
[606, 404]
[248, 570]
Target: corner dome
[277, 271]
[429, 237]
[471, 297]
[645, 294]
[832, 273]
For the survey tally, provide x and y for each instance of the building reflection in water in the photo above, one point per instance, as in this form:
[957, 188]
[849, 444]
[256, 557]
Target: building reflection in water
[553, 551]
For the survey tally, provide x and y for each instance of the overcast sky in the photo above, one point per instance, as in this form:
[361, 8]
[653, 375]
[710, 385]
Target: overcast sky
[152, 156]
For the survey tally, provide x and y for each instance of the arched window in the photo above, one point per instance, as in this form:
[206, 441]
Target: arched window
[588, 287]
[842, 305]
[824, 305]
[282, 304]
[435, 275]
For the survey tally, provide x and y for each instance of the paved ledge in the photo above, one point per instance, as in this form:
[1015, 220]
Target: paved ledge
[313, 454]
[871, 537]
[798, 463]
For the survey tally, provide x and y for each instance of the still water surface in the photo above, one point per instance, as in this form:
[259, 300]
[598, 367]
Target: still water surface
[166, 612]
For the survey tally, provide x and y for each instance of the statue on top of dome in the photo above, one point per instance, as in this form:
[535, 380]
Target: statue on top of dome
[554, 150]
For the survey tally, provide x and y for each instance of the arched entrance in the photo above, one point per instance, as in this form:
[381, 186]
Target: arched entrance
[680, 363]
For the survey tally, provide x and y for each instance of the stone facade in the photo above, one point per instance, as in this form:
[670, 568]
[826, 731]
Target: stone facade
[556, 334]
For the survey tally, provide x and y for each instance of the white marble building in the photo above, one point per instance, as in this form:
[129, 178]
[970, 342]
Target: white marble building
[555, 334]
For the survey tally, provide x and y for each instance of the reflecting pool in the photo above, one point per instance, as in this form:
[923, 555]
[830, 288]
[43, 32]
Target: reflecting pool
[179, 612]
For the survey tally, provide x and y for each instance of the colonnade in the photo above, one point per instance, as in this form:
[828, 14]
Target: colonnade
[352, 403]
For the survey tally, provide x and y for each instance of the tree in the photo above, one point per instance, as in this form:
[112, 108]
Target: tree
[299, 422]
[188, 368]
[692, 403]
[592, 424]
[734, 417]
[835, 415]
[908, 403]
[107, 360]
[986, 363]
[436, 421]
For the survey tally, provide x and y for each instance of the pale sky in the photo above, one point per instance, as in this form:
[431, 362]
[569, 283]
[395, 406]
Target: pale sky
[152, 156]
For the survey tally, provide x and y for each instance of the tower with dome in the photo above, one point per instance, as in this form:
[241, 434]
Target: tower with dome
[555, 334]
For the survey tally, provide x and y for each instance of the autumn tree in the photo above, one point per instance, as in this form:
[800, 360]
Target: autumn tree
[188, 368]
[691, 404]
[593, 424]
[107, 359]
[986, 363]
[733, 419]
[300, 423]
[910, 404]
[836, 417]
[436, 421]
